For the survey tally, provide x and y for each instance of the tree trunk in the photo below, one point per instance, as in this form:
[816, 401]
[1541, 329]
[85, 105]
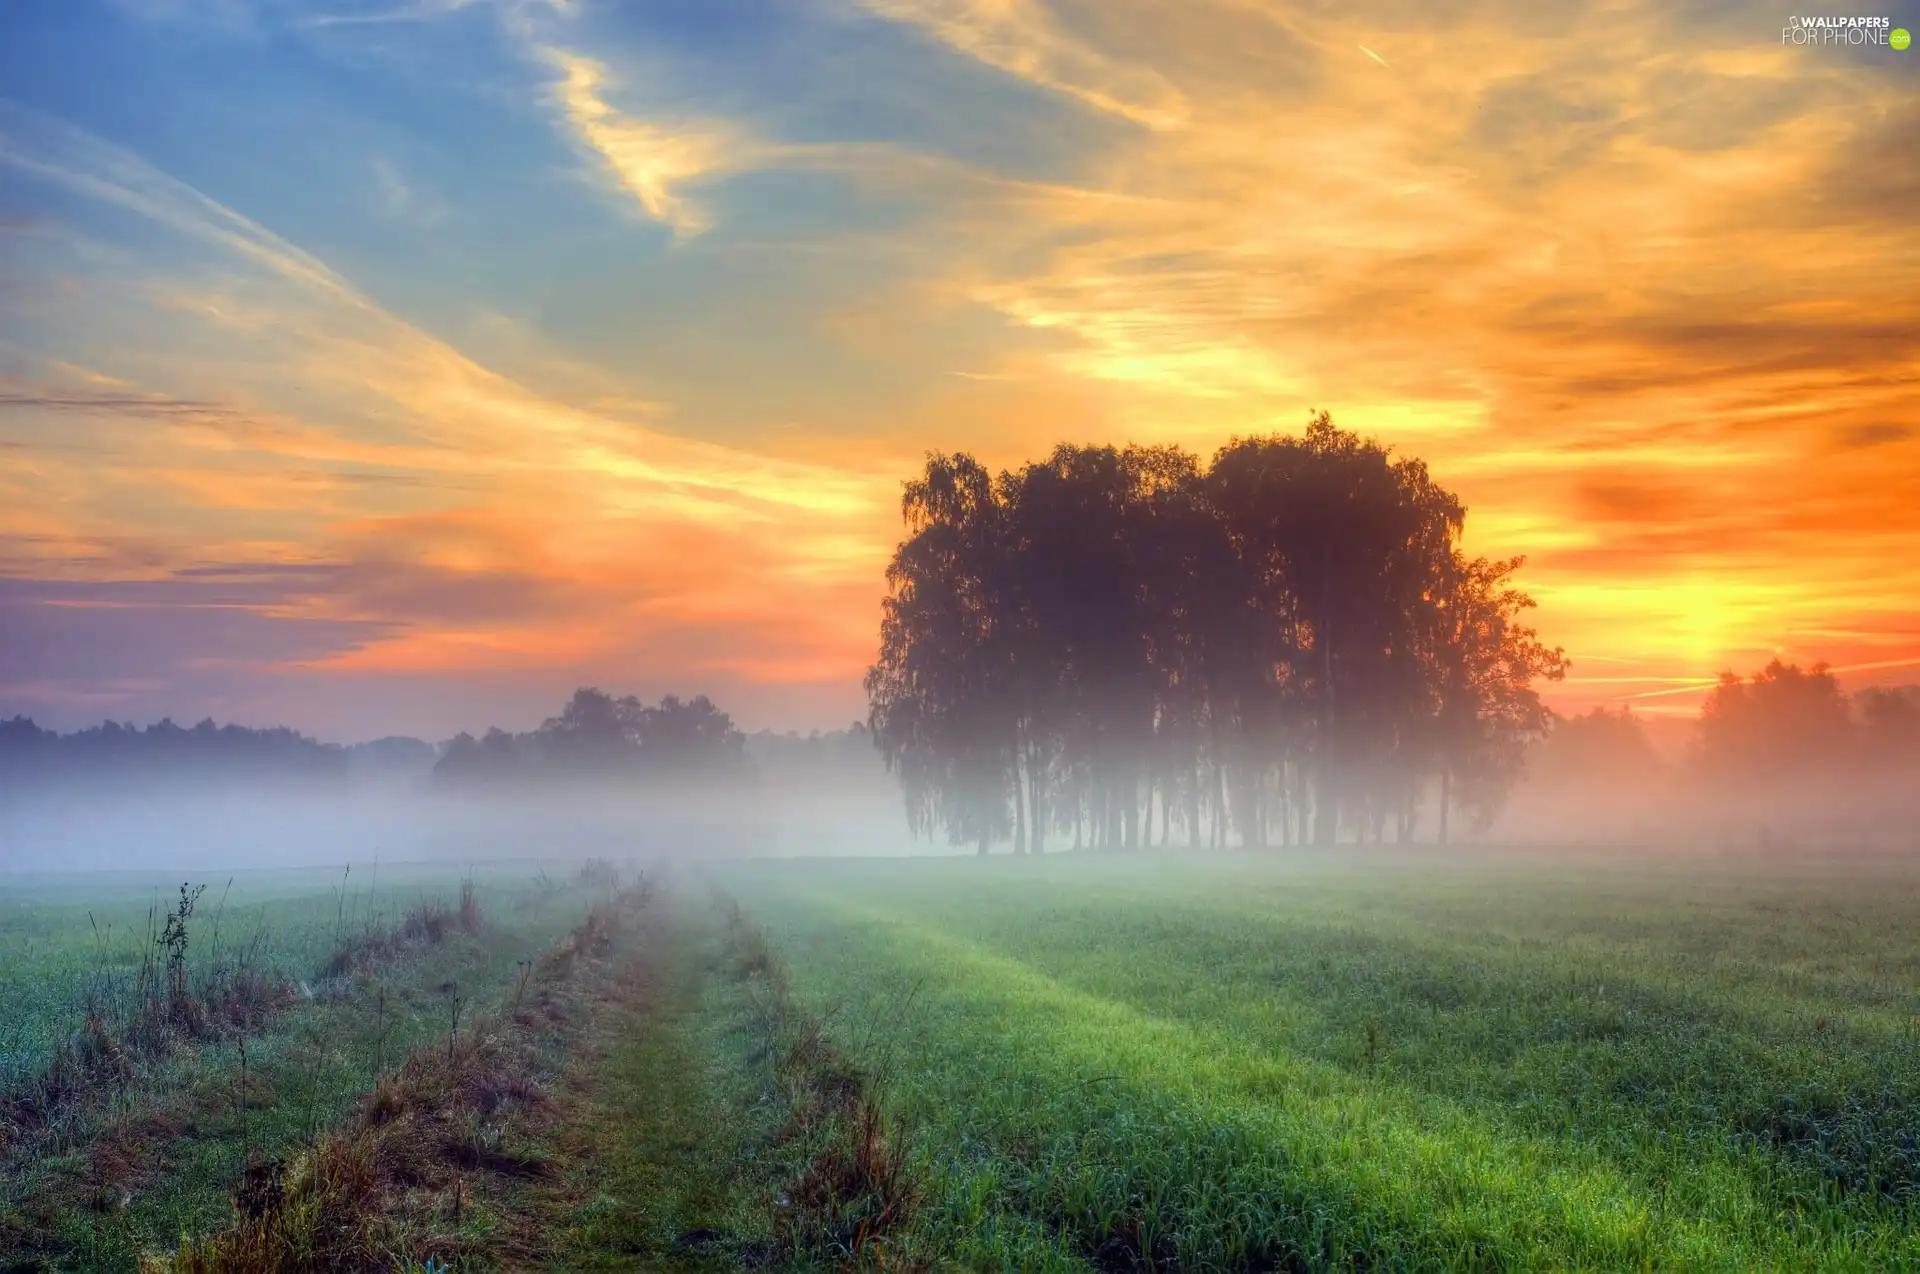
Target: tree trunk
[1446, 799]
[1219, 820]
[1037, 795]
[1326, 813]
[1019, 805]
[1143, 810]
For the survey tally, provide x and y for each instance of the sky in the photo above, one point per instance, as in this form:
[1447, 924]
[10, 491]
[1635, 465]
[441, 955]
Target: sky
[396, 366]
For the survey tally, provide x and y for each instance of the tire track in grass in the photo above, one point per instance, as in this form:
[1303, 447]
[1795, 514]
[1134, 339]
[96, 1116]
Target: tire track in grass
[668, 1137]
[1196, 1125]
[723, 1131]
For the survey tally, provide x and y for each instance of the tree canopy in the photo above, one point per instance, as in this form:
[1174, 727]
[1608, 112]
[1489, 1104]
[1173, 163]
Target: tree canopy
[1284, 644]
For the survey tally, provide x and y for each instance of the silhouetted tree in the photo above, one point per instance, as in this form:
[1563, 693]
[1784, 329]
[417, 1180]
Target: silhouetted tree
[163, 753]
[1485, 662]
[1890, 725]
[1285, 642]
[598, 737]
[1597, 747]
[941, 711]
[594, 734]
[1782, 723]
[693, 735]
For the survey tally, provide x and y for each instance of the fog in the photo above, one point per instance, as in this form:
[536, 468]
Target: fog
[1782, 762]
[224, 826]
[86, 827]
[1678, 810]
[606, 777]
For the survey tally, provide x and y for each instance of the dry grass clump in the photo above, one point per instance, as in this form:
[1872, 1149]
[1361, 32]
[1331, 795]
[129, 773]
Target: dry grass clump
[598, 873]
[401, 1177]
[134, 1021]
[429, 923]
[853, 1187]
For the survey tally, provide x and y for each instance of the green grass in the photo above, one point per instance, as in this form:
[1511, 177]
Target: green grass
[154, 1153]
[1370, 1059]
[680, 1129]
[64, 936]
[1381, 1059]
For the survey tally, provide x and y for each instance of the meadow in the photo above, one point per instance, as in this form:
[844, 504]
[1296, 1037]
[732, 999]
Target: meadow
[1378, 1059]
[1293, 1060]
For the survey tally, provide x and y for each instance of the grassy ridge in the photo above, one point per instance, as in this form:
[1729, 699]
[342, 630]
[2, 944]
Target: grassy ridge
[64, 940]
[1296, 1062]
[453, 1158]
[152, 1150]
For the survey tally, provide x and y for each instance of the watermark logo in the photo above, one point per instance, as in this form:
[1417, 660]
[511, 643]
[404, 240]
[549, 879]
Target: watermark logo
[1839, 30]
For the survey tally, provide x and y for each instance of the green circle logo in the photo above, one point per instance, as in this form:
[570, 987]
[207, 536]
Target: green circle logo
[1899, 39]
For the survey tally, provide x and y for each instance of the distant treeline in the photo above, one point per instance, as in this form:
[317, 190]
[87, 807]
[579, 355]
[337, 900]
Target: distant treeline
[166, 751]
[1782, 727]
[595, 737]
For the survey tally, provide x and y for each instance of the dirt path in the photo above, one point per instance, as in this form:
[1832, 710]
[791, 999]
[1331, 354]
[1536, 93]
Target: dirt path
[667, 1137]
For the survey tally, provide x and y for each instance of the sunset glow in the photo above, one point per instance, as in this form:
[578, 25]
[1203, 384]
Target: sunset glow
[395, 366]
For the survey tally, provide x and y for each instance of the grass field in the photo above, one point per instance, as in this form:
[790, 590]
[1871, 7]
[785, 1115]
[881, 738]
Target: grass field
[1369, 1059]
[1381, 1060]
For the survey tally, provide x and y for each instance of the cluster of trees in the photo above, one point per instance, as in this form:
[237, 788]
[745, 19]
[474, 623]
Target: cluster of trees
[1286, 644]
[1784, 725]
[597, 736]
[1787, 724]
[594, 736]
[1600, 748]
[1783, 755]
[164, 751]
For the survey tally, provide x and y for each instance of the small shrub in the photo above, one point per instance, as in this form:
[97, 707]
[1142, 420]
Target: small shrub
[598, 873]
[469, 906]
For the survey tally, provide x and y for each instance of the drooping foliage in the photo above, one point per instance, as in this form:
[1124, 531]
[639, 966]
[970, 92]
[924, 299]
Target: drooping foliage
[1283, 645]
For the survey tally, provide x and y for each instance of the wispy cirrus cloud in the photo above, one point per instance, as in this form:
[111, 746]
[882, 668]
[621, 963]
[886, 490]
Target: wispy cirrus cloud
[1021, 38]
[423, 504]
[654, 162]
